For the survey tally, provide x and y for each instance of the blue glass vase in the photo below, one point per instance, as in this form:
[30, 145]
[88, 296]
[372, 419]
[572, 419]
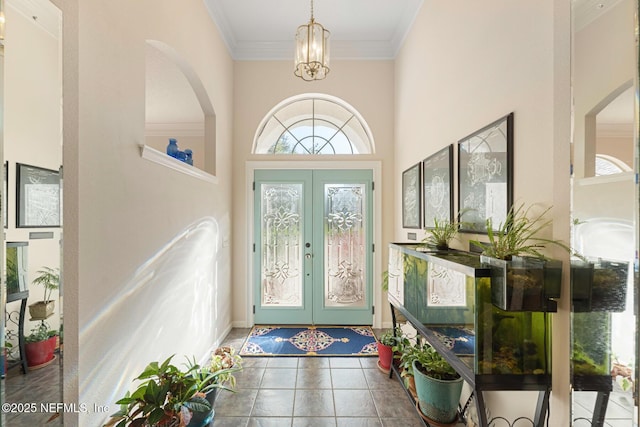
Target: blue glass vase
[188, 156]
[172, 148]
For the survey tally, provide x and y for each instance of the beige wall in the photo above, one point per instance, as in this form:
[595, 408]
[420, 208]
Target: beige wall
[122, 209]
[466, 64]
[260, 86]
[618, 147]
[33, 134]
[147, 249]
[602, 68]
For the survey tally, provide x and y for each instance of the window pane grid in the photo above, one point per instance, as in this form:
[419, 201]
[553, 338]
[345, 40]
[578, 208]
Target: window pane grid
[313, 126]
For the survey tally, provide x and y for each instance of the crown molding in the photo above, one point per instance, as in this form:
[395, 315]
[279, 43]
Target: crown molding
[258, 50]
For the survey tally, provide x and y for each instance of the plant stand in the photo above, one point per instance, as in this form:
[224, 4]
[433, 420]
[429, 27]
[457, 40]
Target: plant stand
[22, 296]
[448, 299]
[494, 383]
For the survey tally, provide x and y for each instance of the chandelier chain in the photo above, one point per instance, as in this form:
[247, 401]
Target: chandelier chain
[312, 10]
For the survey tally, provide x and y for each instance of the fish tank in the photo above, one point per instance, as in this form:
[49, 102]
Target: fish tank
[449, 295]
[16, 270]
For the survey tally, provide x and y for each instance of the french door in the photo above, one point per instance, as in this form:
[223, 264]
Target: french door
[313, 247]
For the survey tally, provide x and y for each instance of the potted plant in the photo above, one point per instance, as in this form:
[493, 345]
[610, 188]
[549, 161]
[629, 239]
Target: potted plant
[408, 354]
[385, 350]
[522, 278]
[40, 345]
[172, 397]
[438, 386]
[218, 374]
[49, 278]
[442, 233]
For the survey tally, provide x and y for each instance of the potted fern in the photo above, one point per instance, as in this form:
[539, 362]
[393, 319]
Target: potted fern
[522, 278]
[49, 279]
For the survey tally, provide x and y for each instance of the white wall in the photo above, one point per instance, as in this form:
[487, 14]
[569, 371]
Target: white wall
[365, 85]
[33, 133]
[466, 64]
[147, 249]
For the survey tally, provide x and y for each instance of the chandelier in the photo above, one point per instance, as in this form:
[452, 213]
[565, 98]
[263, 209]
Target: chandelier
[312, 51]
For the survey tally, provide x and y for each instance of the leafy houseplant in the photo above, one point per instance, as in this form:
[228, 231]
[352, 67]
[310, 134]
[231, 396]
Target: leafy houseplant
[438, 385]
[385, 350]
[517, 235]
[49, 278]
[224, 363]
[408, 353]
[443, 232]
[40, 345]
[172, 397]
[522, 277]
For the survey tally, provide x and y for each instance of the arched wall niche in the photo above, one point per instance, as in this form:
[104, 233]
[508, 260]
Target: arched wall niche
[593, 126]
[177, 106]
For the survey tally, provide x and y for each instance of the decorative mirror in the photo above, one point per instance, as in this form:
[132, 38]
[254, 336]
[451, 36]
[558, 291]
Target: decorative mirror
[604, 214]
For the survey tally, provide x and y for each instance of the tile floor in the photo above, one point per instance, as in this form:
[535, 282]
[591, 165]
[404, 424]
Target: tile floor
[312, 392]
[620, 409]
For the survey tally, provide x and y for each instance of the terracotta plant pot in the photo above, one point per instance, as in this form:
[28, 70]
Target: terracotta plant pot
[41, 352]
[385, 356]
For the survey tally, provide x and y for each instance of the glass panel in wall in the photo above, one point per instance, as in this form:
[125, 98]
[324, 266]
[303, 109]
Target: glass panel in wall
[282, 278]
[344, 245]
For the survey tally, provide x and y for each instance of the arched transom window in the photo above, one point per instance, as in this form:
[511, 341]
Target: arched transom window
[609, 165]
[313, 124]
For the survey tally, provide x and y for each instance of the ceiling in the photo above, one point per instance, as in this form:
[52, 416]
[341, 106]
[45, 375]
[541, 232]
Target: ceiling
[360, 29]
[585, 12]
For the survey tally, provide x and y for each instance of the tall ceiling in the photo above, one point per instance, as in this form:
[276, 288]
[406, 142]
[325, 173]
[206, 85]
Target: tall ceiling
[360, 29]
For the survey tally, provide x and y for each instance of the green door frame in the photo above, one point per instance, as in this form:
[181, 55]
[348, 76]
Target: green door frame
[313, 308]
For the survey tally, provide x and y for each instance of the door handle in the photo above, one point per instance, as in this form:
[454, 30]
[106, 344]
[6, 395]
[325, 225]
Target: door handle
[307, 256]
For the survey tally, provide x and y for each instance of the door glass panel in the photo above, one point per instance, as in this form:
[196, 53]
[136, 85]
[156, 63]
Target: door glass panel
[281, 276]
[344, 245]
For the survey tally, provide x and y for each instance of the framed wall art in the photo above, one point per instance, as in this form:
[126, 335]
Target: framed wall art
[485, 175]
[37, 197]
[411, 197]
[437, 178]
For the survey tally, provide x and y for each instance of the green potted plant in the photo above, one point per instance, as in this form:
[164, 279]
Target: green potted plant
[49, 279]
[440, 235]
[442, 232]
[170, 397]
[438, 386]
[40, 345]
[385, 344]
[217, 374]
[522, 278]
[408, 353]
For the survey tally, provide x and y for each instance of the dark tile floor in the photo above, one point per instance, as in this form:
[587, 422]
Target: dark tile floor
[312, 392]
[36, 387]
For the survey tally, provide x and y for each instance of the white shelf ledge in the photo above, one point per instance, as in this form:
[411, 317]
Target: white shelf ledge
[161, 158]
